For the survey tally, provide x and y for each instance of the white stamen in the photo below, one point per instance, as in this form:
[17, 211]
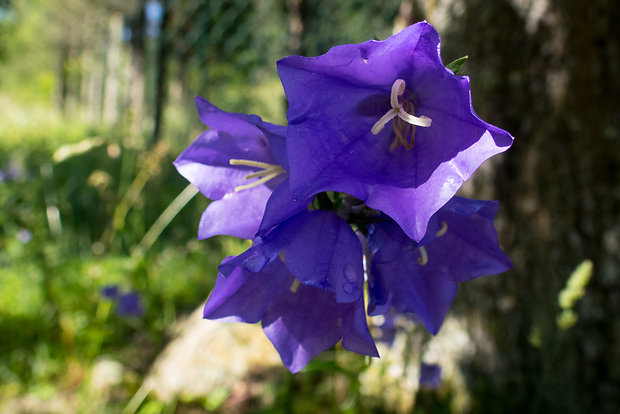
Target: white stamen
[443, 229]
[268, 172]
[423, 259]
[398, 88]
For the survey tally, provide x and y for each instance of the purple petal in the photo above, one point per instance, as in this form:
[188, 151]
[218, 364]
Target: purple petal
[281, 207]
[320, 250]
[237, 214]
[425, 291]
[470, 247]
[355, 334]
[235, 124]
[434, 193]
[243, 296]
[205, 163]
[304, 323]
[276, 135]
[326, 253]
[467, 249]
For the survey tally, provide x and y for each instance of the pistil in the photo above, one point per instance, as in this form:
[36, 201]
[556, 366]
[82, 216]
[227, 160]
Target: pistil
[403, 122]
[268, 171]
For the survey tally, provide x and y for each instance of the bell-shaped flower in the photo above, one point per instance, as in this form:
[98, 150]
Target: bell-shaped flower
[319, 248]
[241, 164]
[422, 278]
[301, 321]
[386, 122]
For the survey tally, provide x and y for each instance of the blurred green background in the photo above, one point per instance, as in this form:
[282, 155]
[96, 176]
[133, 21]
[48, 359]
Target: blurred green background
[96, 102]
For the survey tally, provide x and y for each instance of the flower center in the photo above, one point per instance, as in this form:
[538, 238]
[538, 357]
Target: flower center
[266, 173]
[403, 122]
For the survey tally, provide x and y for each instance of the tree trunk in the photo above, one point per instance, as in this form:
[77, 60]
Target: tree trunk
[163, 51]
[546, 72]
[113, 56]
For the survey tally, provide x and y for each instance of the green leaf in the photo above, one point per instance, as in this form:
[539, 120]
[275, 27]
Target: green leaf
[455, 65]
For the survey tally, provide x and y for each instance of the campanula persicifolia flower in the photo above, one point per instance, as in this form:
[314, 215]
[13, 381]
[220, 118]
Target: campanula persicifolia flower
[320, 250]
[421, 279]
[241, 164]
[386, 122]
[301, 321]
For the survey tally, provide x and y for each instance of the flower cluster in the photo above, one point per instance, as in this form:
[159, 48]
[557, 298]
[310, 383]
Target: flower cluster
[351, 207]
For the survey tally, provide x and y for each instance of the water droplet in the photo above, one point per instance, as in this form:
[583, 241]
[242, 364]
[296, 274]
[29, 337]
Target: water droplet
[350, 274]
[348, 288]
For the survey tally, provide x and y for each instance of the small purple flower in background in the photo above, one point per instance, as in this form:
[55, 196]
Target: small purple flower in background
[386, 122]
[301, 321]
[241, 164]
[129, 304]
[430, 375]
[110, 291]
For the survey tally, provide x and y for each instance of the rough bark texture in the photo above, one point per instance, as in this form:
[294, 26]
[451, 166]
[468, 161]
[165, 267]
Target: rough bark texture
[546, 71]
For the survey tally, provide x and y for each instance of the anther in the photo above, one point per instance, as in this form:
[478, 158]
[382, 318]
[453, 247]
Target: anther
[295, 285]
[268, 172]
[398, 113]
[423, 259]
[443, 229]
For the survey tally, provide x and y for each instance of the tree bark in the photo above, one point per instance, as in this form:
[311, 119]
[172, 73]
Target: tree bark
[546, 72]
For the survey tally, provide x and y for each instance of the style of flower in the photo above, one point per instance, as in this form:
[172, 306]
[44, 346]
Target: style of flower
[386, 122]
[422, 278]
[301, 321]
[241, 164]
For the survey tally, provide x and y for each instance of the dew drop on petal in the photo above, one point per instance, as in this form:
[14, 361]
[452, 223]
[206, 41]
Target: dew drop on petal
[348, 288]
[350, 274]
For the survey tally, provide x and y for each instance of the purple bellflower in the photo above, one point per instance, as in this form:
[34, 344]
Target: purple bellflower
[422, 278]
[320, 249]
[241, 164]
[386, 122]
[301, 321]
